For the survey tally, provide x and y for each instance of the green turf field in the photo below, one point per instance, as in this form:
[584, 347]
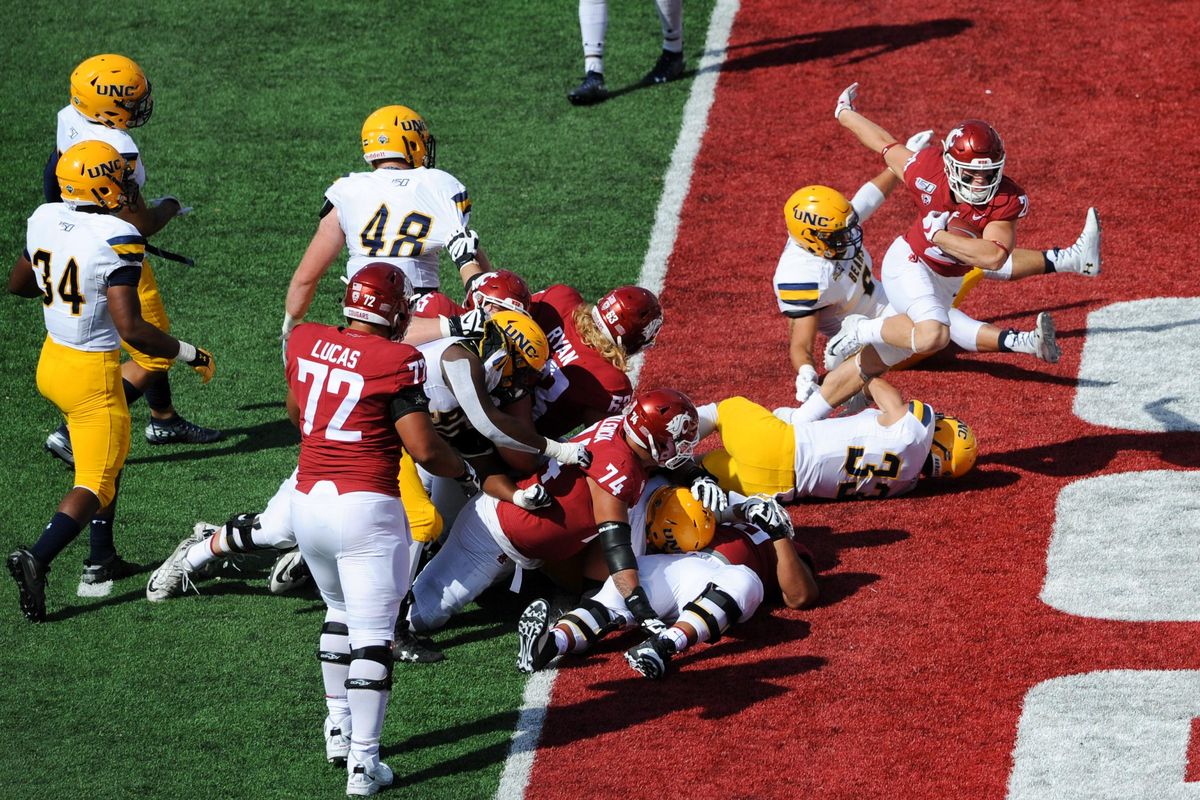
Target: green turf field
[256, 112]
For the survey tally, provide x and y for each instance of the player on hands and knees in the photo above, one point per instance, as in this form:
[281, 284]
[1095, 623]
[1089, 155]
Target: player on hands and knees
[84, 263]
[356, 394]
[593, 25]
[110, 95]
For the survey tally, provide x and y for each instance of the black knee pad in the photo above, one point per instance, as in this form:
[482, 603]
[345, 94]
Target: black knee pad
[241, 530]
[718, 597]
[380, 654]
[333, 656]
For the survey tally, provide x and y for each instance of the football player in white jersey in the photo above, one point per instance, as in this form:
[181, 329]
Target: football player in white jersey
[825, 275]
[402, 212]
[85, 263]
[593, 24]
[110, 95]
[880, 452]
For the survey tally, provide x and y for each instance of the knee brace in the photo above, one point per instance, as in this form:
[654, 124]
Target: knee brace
[239, 532]
[333, 656]
[590, 622]
[711, 613]
[380, 654]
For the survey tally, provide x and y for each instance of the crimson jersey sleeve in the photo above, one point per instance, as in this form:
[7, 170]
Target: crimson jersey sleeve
[435, 304]
[615, 467]
[558, 530]
[344, 382]
[749, 545]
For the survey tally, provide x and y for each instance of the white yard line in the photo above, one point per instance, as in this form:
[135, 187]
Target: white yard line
[519, 764]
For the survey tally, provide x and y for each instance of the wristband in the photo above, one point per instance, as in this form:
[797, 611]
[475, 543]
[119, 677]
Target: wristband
[187, 352]
[887, 147]
[1007, 251]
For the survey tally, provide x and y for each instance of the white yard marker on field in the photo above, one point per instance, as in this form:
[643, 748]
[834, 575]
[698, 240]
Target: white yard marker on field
[519, 764]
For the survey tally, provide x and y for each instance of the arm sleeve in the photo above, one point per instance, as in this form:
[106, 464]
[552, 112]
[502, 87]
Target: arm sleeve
[462, 203]
[408, 400]
[867, 201]
[458, 375]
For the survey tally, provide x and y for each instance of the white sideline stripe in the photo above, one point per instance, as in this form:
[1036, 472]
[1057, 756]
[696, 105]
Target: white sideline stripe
[519, 765]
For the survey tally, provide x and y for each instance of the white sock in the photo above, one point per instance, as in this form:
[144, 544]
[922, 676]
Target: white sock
[670, 14]
[870, 331]
[677, 637]
[198, 555]
[565, 642]
[964, 331]
[708, 419]
[1002, 274]
[814, 408]
[593, 24]
[367, 707]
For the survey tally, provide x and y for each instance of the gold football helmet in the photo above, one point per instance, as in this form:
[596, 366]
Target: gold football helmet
[678, 522]
[953, 451]
[93, 173]
[112, 90]
[822, 221]
[398, 132]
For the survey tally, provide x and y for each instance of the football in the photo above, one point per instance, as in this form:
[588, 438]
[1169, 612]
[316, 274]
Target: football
[963, 227]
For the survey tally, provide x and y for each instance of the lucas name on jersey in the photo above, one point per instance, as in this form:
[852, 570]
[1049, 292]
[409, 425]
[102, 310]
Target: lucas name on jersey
[334, 353]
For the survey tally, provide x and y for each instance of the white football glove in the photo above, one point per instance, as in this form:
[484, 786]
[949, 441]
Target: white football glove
[468, 325]
[463, 246]
[934, 221]
[919, 141]
[569, 453]
[532, 498]
[710, 494]
[469, 480]
[183, 210]
[845, 101]
[766, 513]
[806, 383]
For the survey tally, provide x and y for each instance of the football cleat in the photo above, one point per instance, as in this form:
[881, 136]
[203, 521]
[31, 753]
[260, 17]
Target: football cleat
[415, 649]
[651, 658]
[669, 67]
[590, 92]
[173, 578]
[536, 648]
[289, 573]
[1042, 339]
[337, 744]
[31, 583]
[58, 444]
[1082, 257]
[179, 431]
[97, 578]
[845, 341]
[365, 781]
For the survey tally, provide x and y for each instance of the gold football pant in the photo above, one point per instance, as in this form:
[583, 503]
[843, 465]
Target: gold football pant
[87, 389]
[154, 312]
[759, 453]
[423, 518]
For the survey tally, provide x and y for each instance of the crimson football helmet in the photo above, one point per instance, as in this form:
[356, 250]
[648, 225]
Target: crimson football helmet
[665, 423]
[972, 149]
[378, 293]
[629, 316]
[502, 288]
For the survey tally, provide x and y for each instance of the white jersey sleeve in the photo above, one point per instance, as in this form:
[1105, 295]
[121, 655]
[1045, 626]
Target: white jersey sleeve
[400, 216]
[867, 200]
[638, 521]
[74, 128]
[76, 257]
[855, 456]
[802, 282]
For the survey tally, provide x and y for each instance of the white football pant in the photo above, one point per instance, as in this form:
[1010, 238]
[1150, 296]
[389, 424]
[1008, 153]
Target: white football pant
[673, 581]
[914, 289]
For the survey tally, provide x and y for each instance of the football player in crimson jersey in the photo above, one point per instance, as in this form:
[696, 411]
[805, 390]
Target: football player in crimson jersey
[586, 503]
[357, 397]
[585, 379]
[436, 316]
[701, 593]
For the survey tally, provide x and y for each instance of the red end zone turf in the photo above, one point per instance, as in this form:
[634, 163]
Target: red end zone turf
[909, 678]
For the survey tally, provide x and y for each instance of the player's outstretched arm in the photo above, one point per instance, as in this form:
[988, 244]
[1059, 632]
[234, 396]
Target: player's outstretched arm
[149, 220]
[873, 136]
[21, 281]
[796, 581]
[326, 243]
[126, 312]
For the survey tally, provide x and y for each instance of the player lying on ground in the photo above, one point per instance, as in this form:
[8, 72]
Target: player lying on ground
[586, 502]
[879, 452]
[84, 263]
[824, 276]
[701, 594]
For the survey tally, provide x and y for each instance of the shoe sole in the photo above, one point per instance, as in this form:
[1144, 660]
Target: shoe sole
[32, 610]
[1048, 350]
[533, 623]
[644, 667]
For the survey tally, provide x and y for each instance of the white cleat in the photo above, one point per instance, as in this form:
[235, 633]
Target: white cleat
[1082, 257]
[1042, 338]
[172, 579]
[289, 573]
[845, 341]
[337, 743]
[365, 781]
